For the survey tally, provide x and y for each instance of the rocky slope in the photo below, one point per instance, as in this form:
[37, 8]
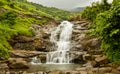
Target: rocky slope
[85, 50]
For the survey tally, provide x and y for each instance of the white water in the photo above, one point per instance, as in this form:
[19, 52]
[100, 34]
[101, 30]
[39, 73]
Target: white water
[61, 37]
[35, 61]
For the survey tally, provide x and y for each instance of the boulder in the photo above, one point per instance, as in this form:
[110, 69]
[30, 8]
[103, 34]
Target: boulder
[91, 43]
[83, 72]
[42, 58]
[25, 53]
[96, 52]
[3, 66]
[104, 70]
[118, 68]
[77, 57]
[87, 57]
[17, 63]
[102, 60]
[115, 71]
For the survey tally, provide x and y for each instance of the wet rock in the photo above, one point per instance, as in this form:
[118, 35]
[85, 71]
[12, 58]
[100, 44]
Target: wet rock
[83, 72]
[80, 22]
[75, 72]
[55, 72]
[78, 47]
[96, 56]
[115, 71]
[78, 57]
[71, 72]
[109, 73]
[81, 69]
[104, 70]
[80, 37]
[42, 58]
[95, 70]
[94, 63]
[102, 60]
[96, 52]
[87, 57]
[91, 44]
[17, 63]
[3, 66]
[39, 72]
[25, 53]
[84, 24]
[118, 68]
[90, 72]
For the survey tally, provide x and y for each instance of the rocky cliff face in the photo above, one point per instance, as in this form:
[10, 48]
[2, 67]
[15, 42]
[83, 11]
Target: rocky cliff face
[39, 42]
[82, 44]
[85, 49]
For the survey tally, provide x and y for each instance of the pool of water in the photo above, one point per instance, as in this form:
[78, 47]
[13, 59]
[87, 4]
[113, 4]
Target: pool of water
[51, 67]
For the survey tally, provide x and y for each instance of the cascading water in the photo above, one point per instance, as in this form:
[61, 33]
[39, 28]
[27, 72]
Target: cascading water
[36, 60]
[61, 37]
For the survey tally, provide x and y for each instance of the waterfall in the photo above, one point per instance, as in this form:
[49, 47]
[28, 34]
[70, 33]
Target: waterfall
[61, 38]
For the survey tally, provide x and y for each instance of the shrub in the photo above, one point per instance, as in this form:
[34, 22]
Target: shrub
[107, 27]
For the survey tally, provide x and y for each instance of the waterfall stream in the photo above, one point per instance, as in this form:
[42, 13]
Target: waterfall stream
[61, 38]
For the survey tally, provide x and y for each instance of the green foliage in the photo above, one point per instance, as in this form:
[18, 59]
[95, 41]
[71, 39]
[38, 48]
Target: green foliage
[107, 27]
[54, 12]
[11, 24]
[8, 18]
[16, 16]
[91, 12]
[106, 23]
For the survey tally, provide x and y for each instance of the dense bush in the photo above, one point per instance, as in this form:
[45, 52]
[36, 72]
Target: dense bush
[106, 23]
[107, 27]
[91, 12]
[11, 24]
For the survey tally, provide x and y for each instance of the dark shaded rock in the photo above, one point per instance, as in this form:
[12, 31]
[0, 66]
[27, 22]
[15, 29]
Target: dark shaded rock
[102, 60]
[17, 63]
[115, 71]
[87, 57]
[118, 68]
[83, 72]
[78, 59]
[42, 58]
[94, 63]
[91, 44]
[3, 66]
[25, 53]
[95, 52]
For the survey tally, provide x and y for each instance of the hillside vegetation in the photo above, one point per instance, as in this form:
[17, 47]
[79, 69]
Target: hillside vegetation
[16, 16]
[105, 22]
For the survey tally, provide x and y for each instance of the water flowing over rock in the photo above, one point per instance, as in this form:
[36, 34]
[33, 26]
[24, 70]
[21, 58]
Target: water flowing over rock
[61, 38]
[36, 60]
